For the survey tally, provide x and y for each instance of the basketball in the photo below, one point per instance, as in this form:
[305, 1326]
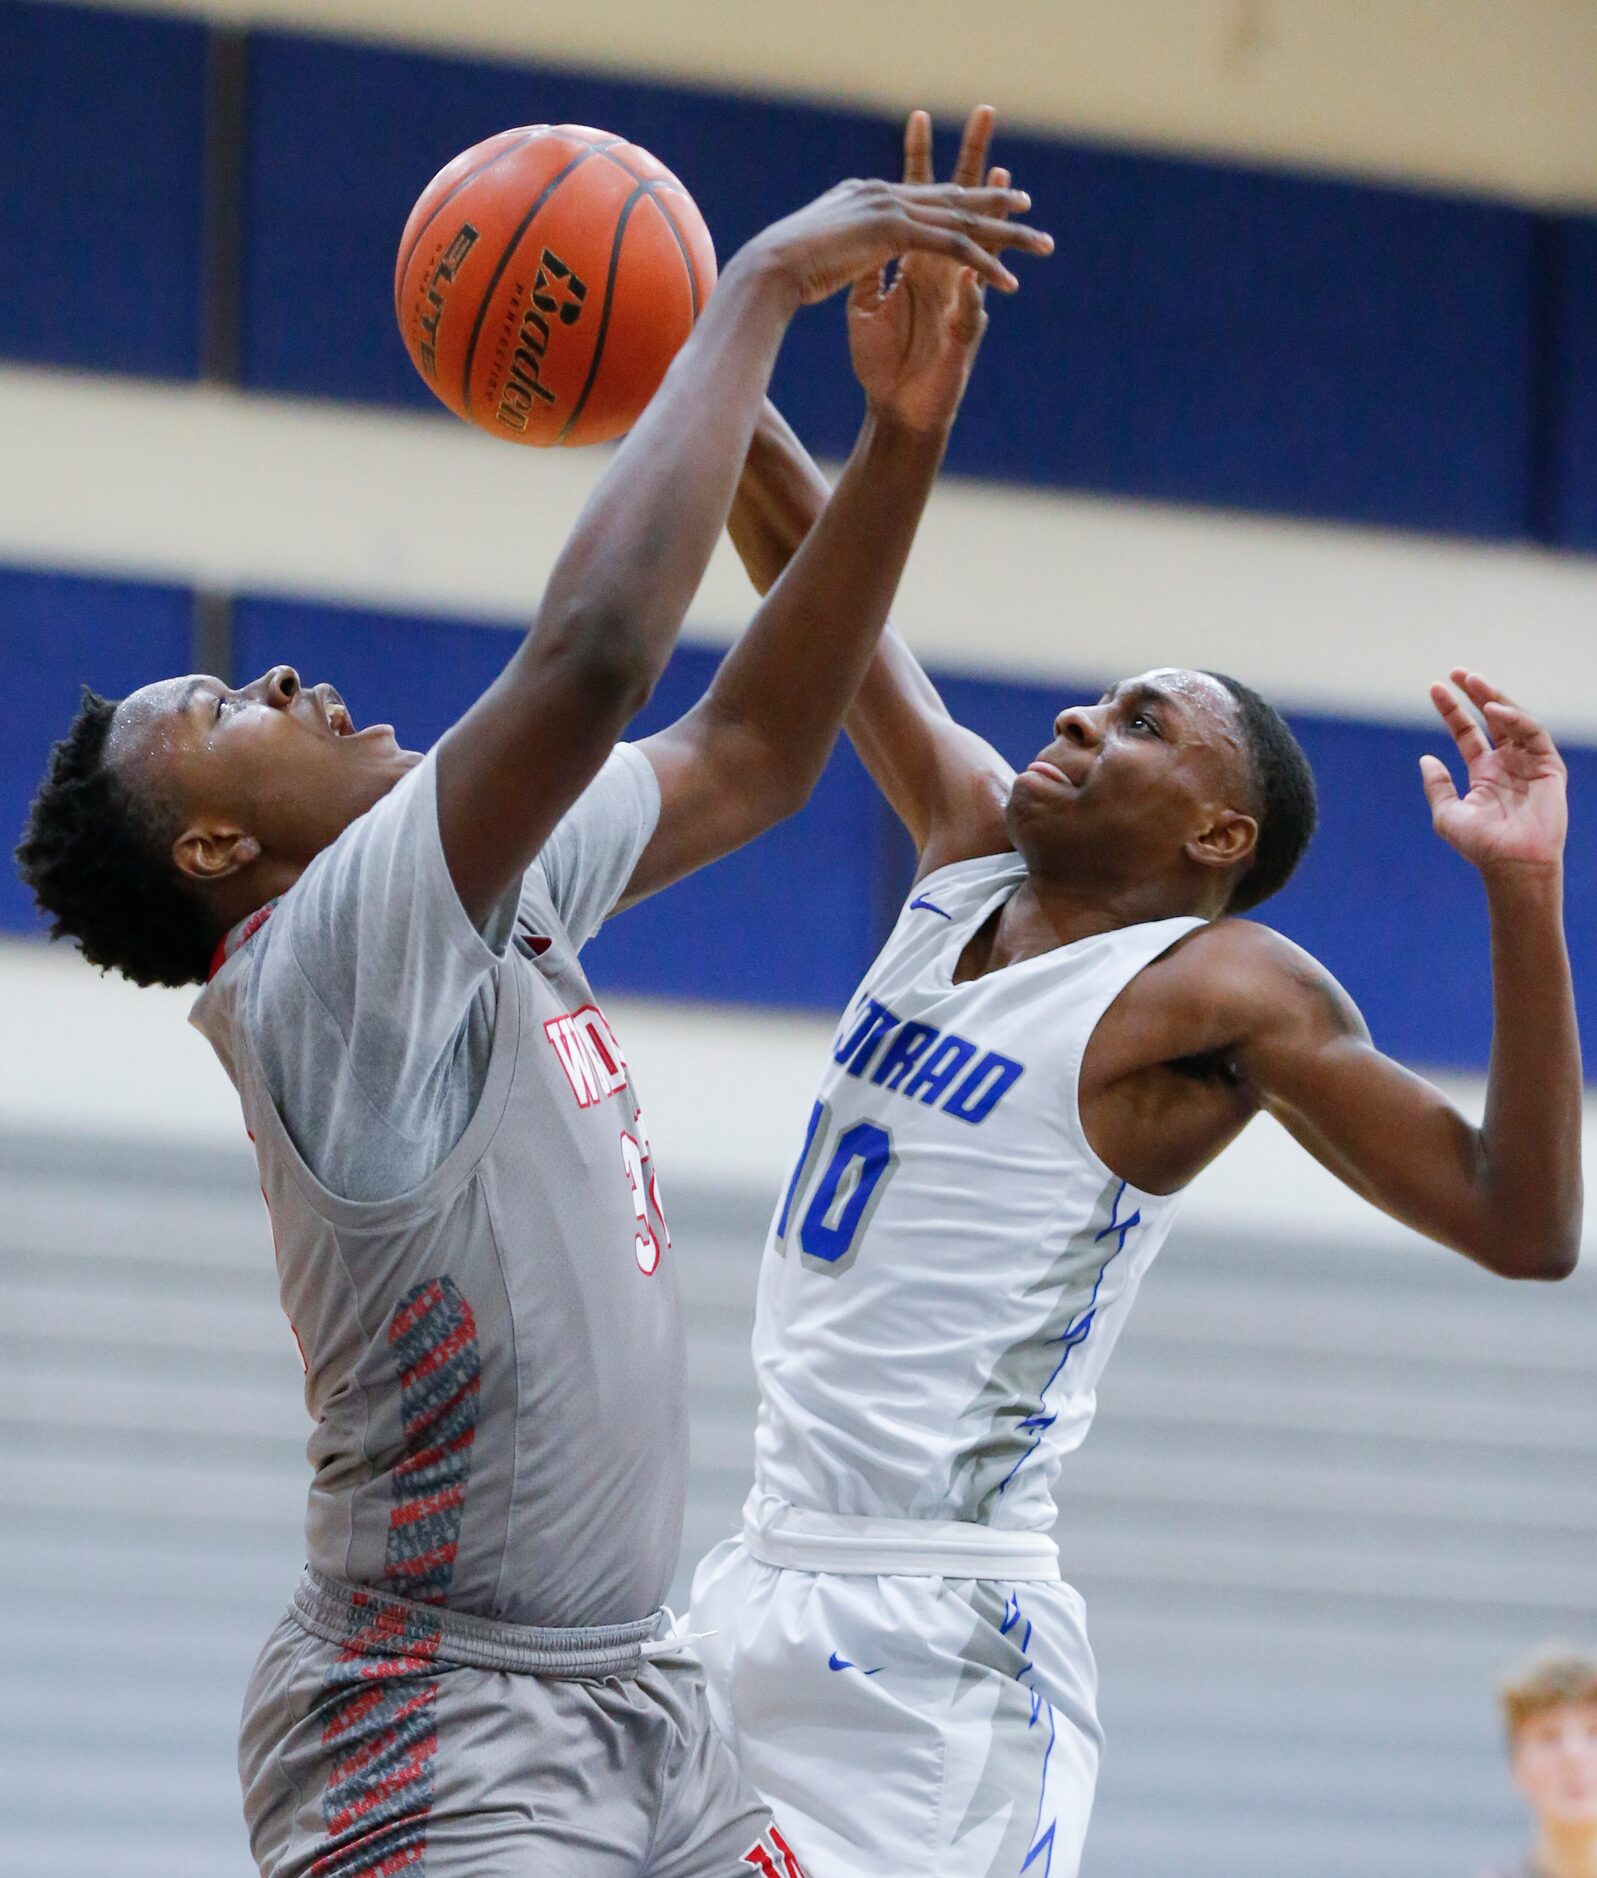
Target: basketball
[546, 278]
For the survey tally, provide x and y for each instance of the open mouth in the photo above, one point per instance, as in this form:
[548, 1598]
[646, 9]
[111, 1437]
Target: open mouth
[335, 712]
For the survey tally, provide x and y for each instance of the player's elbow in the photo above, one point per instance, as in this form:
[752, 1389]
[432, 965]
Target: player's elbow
[771, 775]
[1556, 1258]
[1544, 1257]
[782, 789]
[600, 656]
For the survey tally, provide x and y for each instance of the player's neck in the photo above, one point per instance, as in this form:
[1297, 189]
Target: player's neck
[236, 898]
[1041, 916]
[1567, 1851]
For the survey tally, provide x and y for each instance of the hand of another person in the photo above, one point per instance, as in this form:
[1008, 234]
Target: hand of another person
[854, 230]
[915, 339]
[1514, 813]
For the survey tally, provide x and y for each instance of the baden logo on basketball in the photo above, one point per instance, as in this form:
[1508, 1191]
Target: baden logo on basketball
[557, 295]
[590, 266]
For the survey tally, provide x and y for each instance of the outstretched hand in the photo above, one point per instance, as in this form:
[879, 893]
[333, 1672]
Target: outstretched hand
[855, 229]
[915, 339]
[1514, 813]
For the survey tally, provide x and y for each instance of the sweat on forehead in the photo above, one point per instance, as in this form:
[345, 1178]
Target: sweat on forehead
[147, 722]
[1199, 692]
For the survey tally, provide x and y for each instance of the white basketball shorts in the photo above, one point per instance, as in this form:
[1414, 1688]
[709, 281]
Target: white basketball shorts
[905, 1724]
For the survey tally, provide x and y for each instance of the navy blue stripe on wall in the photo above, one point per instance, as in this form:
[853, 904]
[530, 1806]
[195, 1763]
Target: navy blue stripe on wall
[101, 138]
[343, 138]
[793, 920]
[1572, 387]
[1206, 333]
[59, 632]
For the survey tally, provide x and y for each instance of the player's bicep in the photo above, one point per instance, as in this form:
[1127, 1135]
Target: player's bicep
[512, 767]
[1386, 1133]
[714, 792]
[946, 784]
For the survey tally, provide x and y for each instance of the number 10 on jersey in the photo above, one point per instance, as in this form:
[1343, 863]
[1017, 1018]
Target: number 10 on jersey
[836, 1188]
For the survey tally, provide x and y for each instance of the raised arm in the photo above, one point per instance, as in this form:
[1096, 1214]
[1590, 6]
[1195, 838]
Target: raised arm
[946, 784]
[752, 749]
[1508, 1193]
[522, 754]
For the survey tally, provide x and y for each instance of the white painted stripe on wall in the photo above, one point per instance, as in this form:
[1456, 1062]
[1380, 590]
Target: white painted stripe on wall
[387, 509]
[1484, 94]
[726, 1091]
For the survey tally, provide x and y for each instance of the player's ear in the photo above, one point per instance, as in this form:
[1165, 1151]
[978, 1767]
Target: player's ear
[206, 852]
[1228, 837]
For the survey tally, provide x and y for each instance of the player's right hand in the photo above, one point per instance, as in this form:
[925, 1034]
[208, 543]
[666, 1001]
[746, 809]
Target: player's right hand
[1515, 814]
[914, 339]
[857, 228]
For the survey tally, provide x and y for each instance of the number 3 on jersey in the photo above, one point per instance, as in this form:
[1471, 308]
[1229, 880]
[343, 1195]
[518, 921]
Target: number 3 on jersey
[855, 1165]
[637, 1157]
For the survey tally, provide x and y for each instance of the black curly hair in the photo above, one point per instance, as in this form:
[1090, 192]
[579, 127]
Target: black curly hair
[96, 857]
[1284, 796]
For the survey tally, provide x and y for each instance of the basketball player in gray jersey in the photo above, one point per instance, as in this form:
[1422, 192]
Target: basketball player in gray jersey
[472, 1680]
[1063, 1028]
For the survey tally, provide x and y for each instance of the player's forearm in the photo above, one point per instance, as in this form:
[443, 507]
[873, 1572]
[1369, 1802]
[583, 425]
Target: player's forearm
[635, 559]
[791, 677]
[1531, 1136]
[780, 497]
[897, 722]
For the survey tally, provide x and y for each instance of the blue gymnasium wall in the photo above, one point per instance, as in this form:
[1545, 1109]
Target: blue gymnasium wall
[59, 633]
[1207, 333]
[793, 920]
[101, 147]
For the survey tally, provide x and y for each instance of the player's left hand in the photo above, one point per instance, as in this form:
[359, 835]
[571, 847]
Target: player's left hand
[1514, 813]
[915, 340]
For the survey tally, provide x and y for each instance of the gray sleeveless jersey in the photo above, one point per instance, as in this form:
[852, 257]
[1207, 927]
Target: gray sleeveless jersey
[493, 1350]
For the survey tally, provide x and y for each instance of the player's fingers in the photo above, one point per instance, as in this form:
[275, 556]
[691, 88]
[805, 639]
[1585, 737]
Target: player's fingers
[1509, 724]
[992, 231]
[1478, 690]
[918, 148]
[1464, 729]
[932, 238]
[967, 319]
[975, 200]
[1437, 783]
[868, 292]
[974, 145]
[997, 178]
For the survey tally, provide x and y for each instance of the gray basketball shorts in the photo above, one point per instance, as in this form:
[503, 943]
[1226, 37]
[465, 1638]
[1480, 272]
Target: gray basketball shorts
[387, 1739]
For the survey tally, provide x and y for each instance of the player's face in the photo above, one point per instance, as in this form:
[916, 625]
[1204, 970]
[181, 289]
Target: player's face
[1555, 1763]
[276, 760]
[1130, 780]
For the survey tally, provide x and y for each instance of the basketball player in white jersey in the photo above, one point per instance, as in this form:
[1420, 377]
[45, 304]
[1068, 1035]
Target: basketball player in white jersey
[472, 1680]
[1066, 1024]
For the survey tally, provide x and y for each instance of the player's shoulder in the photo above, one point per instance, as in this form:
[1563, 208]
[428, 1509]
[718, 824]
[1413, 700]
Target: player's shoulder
[1234, 966]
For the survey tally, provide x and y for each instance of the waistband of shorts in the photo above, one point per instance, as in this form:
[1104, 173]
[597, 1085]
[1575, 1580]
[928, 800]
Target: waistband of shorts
[375, 1623]
[797, 1539]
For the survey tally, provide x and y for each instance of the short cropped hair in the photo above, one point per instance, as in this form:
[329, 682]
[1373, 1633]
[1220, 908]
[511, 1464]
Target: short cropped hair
[1553, 1679]
[97, 860]
[1284, 796]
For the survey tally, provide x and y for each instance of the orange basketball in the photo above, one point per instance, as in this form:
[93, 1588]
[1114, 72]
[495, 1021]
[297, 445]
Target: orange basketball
[546, 279]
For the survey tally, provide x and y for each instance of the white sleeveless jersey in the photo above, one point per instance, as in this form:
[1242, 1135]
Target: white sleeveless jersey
[950, 1264]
